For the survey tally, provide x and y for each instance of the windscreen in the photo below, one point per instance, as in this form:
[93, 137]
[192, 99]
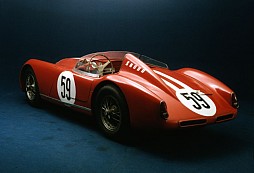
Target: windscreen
[152, 62]
[119, 55]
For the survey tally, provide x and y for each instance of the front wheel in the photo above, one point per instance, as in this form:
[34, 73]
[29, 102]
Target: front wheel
[112, 112]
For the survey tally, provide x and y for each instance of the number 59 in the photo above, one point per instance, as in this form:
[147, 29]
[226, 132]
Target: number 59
[197, 99]
[66, 87]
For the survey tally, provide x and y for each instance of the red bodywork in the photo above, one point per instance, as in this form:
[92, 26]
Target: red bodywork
[144, 88]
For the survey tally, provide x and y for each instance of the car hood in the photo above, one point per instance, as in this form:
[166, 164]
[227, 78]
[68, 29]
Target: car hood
[152, 77]
[188, 93]
[200, 94]
[175, 81]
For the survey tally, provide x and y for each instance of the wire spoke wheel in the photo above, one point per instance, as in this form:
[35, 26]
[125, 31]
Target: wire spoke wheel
[110, 114]
[30, 87]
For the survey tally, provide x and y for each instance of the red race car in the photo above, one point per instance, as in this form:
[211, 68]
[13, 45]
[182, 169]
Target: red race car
[126, 90]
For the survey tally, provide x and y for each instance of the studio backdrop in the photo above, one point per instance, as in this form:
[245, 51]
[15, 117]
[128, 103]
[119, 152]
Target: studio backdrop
[213, 36]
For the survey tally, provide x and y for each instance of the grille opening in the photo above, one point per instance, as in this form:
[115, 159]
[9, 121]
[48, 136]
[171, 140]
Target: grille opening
[192, 122]
[224, 117]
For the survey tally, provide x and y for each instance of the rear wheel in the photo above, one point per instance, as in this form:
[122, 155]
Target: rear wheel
[31, 88]
[112, 112]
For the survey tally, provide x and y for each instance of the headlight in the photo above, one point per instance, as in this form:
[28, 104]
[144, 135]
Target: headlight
[234, 100]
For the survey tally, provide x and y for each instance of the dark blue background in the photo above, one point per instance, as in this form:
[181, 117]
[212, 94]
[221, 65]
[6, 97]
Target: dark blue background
[213, 36]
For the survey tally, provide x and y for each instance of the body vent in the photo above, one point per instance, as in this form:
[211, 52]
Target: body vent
[192, 122]
[224, 118]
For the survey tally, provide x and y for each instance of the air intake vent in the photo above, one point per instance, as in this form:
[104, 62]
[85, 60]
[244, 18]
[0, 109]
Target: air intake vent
[224, 118]
[192, 122]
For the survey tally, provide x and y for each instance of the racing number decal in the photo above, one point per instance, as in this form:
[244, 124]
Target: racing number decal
[66, 87]
[196, 101]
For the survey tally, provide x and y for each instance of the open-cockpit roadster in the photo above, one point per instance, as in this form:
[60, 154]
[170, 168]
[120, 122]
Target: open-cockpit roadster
[126, 90]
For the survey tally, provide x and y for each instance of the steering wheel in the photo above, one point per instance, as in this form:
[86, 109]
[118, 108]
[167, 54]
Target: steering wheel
[101, 68]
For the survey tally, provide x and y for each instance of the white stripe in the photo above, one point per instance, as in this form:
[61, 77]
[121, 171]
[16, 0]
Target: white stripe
[170, 85]
[174, 80]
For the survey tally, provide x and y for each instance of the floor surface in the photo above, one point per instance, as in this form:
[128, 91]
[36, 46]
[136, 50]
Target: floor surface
[52, 139]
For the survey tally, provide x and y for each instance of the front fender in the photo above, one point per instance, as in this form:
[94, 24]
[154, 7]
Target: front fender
[214, 84]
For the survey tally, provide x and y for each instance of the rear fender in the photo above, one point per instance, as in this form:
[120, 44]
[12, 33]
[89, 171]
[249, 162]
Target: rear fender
[44, 72]
[143, 105]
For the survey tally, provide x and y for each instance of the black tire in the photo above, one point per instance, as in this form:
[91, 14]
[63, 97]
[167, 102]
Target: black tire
[112, 113]
[31, 87]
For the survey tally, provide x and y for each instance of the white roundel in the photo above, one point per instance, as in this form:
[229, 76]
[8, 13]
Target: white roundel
[196, 101]
[66, 87]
